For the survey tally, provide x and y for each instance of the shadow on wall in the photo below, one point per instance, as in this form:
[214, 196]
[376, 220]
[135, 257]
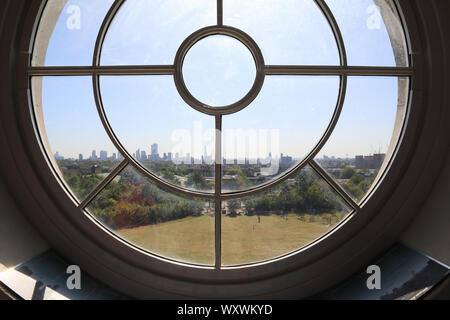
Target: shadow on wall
[19, 241]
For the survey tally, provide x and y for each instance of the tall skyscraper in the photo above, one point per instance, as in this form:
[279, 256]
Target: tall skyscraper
[94, 155]
[138, 154]
[154, 149]
[103, 155]
[80, 157]
[154, 152]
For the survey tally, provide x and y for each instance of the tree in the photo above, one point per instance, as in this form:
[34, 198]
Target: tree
[233, 206]
[354, 190]
[197, 180]
[243, 181]
[357, 178]
[347, 173]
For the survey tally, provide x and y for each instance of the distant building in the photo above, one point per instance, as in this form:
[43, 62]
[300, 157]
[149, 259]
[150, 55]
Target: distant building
[285, 160]
[58, 157]
[94, 155]
[370, 162]
[154, 149]
[138, 154]
[360, 162]
[80, 157]
[154, 152]
[378, 160]
[103, 155]
[73, 169]
[95, 169]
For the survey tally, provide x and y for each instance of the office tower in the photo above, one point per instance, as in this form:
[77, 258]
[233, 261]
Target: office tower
[154, 151]
[359, 162]
[378, 159]
[103, 155]
[138, 154]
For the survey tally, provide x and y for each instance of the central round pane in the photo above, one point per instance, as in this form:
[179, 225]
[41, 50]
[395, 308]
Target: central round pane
[219, 70]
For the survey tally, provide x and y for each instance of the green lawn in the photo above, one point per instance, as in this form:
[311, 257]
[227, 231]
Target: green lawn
[244, 239]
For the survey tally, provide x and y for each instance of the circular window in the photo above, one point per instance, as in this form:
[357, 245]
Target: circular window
[220, 134]
[219, 70]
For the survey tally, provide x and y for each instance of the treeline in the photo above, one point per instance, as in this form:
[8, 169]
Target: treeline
[131, 200]
[306, 194]
[195, 175]
[135, 201]
[357, 184]
[82, 185]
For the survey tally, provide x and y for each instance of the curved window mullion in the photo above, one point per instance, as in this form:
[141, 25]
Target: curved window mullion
[104, 30]
[336, 30]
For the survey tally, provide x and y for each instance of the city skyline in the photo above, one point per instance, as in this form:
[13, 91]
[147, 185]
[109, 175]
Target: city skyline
[141, 155]
[140, 108]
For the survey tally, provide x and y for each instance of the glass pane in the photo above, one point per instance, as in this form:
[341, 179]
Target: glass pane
[154, 219]
[288, 32]
[68, 32]
[219, 70]
[160, 130]
[72, 132]
[150, 32]
[367, 132]
[277, 130]
[279, 221]
[372, 32]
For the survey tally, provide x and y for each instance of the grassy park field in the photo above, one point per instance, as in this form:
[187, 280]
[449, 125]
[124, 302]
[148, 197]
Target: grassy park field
[245, 240]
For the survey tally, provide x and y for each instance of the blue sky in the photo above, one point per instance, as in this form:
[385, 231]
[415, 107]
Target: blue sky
[148, 109]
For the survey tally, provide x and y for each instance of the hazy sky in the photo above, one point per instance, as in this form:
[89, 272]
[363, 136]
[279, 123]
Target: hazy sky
[293, 110]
